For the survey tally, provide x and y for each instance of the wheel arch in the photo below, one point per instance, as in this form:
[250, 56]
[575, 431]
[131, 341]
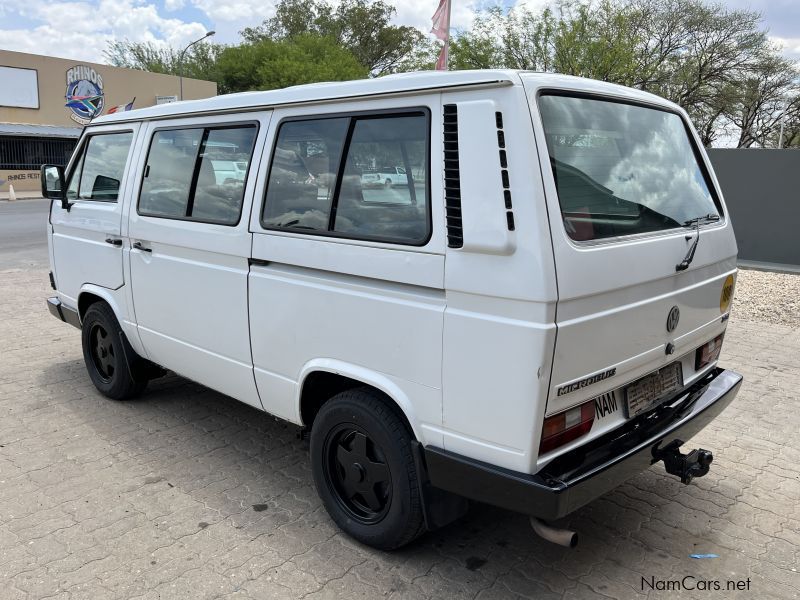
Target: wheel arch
[90, 293]
[321, 379]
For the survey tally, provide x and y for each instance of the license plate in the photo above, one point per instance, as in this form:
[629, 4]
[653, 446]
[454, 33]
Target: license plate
[651, 389]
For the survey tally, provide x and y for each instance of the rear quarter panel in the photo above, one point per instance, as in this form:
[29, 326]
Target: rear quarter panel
[499, 325]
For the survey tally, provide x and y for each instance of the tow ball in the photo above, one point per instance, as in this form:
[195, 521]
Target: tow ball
[685, 466]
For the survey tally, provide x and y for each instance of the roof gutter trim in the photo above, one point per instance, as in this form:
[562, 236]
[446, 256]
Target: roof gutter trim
[494, 83]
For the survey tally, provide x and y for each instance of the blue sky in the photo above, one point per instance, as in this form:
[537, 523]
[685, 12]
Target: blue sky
[81, 29]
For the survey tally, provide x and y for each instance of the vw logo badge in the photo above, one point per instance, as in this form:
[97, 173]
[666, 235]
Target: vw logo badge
[672, 318]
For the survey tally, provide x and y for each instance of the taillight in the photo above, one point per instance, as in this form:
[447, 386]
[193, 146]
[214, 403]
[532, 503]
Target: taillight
[708, 353]
[566, 426]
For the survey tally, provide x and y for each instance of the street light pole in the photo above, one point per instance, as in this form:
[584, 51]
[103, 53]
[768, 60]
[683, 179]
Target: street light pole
[786, 103]
[180, 60]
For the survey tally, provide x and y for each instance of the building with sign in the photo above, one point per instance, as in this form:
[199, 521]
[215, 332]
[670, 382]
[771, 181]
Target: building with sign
[45, 101]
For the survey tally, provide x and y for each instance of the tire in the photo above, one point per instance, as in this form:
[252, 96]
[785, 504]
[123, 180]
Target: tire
[364, 470]
[387, 183]
[113, 366]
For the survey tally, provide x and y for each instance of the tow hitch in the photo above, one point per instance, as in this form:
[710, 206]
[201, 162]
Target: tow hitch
[685, 466]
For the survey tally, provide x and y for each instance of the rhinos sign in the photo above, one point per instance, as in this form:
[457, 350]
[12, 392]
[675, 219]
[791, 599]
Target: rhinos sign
[85, 96]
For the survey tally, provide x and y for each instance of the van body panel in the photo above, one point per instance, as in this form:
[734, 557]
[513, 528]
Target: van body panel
[376, 307]
[485, 226]
[300, 315]
[81, 253]
[360, 260]
[494, 418]
[410, 397]
[499, 325]
[190, 290]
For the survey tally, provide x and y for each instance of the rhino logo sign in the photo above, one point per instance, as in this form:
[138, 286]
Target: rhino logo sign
[85, 96]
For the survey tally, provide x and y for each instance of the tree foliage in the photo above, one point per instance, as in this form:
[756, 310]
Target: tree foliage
[363, 27]
[269, 64]
[715, 62]
[199, 62]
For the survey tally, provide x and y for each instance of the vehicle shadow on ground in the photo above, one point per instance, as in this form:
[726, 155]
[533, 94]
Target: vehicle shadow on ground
[252, 473]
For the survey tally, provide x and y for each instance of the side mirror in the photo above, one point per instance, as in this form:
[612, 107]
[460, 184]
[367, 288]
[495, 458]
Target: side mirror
[52, 180]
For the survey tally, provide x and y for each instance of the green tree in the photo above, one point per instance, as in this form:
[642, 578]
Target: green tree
[769, 94]
[269, 64]
[716, 62]
[363, 27]
[198, 63]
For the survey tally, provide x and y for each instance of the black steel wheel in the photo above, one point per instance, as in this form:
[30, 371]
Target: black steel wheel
[356, 473]
[364, 469]
[102, 352]
[113, 366]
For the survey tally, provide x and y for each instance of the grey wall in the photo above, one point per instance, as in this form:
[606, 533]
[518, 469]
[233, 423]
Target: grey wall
[762, 192]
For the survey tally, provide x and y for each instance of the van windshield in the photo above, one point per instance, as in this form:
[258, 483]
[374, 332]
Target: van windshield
[622, 169]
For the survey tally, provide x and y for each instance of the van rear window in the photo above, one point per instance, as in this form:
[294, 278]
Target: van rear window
[622, 169]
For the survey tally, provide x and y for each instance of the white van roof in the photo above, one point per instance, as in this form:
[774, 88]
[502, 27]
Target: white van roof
[321, 92]
[401, 83]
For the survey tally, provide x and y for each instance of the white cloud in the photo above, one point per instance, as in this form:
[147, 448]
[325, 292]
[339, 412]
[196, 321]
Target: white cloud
[418, 13]
[791, 46]
[92, 25]
[534, 6]
[244, 13]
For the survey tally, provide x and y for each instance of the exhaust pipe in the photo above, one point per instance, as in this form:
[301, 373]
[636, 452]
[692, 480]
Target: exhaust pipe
[562, 537]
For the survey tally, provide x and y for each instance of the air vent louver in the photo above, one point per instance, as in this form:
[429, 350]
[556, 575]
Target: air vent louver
[501, 143]
[452, 178]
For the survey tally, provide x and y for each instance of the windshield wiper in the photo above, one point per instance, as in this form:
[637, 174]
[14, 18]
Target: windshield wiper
[687, 260]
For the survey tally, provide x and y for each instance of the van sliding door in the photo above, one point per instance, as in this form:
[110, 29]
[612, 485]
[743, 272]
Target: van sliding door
[189, 248]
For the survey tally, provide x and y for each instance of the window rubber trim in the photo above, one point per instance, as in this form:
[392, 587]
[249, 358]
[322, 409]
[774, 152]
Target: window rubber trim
[83, 146]
[354, 117]
[205, 127]
[565, 93]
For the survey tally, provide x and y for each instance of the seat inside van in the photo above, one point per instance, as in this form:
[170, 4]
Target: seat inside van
[214, 201]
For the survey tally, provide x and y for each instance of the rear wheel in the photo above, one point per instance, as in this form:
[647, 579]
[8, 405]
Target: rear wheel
[113, 366]
[364, 470]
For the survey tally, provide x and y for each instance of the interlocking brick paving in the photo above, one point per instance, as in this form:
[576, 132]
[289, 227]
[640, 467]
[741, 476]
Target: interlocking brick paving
[185, 493]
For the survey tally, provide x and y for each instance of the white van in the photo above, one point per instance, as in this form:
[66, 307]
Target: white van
[533, 316]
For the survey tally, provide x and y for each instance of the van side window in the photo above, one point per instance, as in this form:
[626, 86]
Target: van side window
[197, 174]
[302, 177]
[377, 191]
[98, 173]
[394, 206]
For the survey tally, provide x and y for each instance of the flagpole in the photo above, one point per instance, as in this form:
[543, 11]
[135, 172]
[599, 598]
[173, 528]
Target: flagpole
[447, 41]
[441, 29]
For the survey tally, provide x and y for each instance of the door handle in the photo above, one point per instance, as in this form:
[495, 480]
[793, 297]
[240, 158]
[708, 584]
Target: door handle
[139, 246]
[114, 242]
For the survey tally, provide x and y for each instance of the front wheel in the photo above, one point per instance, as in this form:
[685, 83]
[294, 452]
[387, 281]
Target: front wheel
[108, 355]
[364, 469]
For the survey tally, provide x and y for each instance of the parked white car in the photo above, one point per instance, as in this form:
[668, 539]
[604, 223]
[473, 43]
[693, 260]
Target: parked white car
[386, 176]
[536, 320]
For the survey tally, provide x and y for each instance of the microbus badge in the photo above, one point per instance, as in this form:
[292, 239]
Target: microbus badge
[672, 318]
[582, 383]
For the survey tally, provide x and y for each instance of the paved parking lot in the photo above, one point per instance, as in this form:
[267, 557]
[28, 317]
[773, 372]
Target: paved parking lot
[188, 494]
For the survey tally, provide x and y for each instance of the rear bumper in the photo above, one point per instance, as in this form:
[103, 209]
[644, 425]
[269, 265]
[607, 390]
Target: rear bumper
[575, 479]
[63, 312]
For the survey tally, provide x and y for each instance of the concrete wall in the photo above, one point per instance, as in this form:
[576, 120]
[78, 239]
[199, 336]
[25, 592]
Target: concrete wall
[762, 192]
